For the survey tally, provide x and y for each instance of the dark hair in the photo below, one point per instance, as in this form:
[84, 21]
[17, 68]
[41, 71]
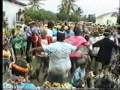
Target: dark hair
[50, 24]
[106, 33]
[66, 24]
[60, 36]
[62, 28]
[77, 31]
[87, 37]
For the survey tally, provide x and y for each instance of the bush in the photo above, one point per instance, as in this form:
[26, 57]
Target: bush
[39, 15]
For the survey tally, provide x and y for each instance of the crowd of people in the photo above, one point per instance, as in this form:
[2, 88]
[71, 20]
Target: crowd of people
[83, 54]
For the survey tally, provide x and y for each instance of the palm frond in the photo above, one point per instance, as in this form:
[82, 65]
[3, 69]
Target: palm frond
[36, 4]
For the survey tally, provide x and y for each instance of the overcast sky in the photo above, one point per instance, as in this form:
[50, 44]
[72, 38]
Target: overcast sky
[88, 6]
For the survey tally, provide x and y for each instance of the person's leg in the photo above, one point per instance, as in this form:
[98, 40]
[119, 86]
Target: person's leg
[21, 50]
[55, 77]
[98, 66]
[45, 64]
[73, 62]
[105, 67]
[14, 50]
[5, 65]
[28, 45]
[38, 69]
[92, 64]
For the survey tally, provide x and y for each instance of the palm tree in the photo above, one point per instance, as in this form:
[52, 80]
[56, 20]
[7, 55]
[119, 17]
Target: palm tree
[36, 4]
[78, 13]
[63, 6]
[67, 6]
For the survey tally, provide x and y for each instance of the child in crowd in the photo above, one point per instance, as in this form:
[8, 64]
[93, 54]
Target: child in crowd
[79, 75]
[6, 56]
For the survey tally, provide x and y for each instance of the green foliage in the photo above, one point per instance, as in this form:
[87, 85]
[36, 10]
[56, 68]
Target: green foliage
[118, 19]
[91, 18]
[36, 4]
[69, 11]
[39, 14]
[62, 16]
[84, 18]
[74, 17]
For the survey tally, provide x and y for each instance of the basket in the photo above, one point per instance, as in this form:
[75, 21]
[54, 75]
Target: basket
[19, 69]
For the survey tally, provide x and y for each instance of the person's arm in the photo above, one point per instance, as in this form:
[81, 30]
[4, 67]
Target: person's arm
[97, 44]
[37, 49]
[13, 55]
[77, 49]
[116, 46]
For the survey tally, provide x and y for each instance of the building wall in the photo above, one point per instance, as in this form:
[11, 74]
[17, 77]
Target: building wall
[10, 10]
[103, 20]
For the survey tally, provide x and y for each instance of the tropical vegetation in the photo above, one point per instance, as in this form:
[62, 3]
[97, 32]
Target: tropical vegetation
[68, 11]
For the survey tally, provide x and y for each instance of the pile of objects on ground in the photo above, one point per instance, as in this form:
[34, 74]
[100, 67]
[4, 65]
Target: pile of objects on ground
[49, 85]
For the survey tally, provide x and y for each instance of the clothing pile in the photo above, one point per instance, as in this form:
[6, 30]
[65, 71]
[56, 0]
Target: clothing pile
[49, 85]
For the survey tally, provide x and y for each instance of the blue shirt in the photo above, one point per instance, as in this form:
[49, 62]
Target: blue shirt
[79, 74]
[68, 34]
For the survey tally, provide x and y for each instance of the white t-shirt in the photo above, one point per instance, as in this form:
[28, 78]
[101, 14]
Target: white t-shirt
[59, 56]
[93, 40]
[49, 32]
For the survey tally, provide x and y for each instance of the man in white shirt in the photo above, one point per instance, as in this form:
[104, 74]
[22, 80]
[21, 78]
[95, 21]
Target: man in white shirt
[59, 64]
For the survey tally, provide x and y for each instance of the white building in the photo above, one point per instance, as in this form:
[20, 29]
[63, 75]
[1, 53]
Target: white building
[11, 8]
[107, 18]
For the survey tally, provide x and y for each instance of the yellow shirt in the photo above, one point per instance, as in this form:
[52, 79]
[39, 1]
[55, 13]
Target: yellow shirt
[6, 54]
[3, 32]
